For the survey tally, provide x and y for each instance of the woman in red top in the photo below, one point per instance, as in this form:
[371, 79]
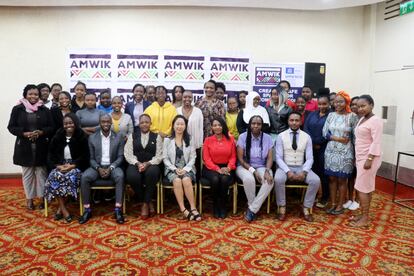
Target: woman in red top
[219, 157]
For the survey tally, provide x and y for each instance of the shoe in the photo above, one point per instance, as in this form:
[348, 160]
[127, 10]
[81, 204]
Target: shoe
[222, 213]
[119, 217]
[216, 211]
[29, 204]
[196, 215]
[144, 211]
[249, 216]
[281, 213]
[58, 216]
[151, 209]
[321, 204]
[354, 206]
[338, 212]
[347, 204]
[330, 210]
[85, 217]
[307, 214]
[69, 218]
[41, 206]
[187, 215]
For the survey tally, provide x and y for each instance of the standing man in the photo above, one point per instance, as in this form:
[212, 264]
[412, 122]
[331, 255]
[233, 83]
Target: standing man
[311, 104]
[106, 156]
[294, 157]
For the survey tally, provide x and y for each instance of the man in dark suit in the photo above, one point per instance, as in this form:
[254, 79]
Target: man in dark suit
[138, 105]
[106, 156]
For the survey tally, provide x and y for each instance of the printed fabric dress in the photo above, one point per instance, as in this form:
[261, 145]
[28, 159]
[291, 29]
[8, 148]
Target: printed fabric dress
[339, 157]
[60, 184]
[179, 163]
[210, 110]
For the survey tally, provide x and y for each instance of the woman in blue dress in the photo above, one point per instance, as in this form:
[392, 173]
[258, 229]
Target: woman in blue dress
[68, 156]
[339, 153]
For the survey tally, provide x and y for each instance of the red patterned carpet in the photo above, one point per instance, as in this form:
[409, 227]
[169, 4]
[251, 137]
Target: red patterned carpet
[33, 245]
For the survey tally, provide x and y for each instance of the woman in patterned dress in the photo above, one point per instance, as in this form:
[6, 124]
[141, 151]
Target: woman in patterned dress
[339, 153]
[210, 107]
[68, 156]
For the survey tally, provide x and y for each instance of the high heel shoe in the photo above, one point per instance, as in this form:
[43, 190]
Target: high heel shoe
[29, 204]
[69, 218]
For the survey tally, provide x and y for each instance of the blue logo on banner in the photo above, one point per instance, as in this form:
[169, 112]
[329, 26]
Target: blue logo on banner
[290, 70]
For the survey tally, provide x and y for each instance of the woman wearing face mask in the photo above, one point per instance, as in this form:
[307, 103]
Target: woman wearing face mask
[179, 156]
[252, 108]
[78, 101]
[89, 116]
[68, 156]
[339, 154]
[210, 106]
[32, 125]
[61, 110]
[368, 134]
[121, 122]
[177, 96]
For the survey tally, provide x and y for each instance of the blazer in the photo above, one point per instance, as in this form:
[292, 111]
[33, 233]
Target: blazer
[116, 150]
[129, 109]
[168, 153]
[78, 146]
[23, 146]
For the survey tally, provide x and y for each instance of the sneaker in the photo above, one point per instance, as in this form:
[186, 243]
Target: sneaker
[321, 204]
[354, 206]
[347, 204]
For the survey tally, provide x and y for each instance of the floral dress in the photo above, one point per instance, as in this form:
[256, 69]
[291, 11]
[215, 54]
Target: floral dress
[179, 163]
[210, 110]
[60, 184]
[339, 158]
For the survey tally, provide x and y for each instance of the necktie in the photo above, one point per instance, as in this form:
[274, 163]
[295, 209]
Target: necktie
[294, 144]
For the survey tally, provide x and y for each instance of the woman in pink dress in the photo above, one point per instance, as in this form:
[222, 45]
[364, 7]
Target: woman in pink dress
[368, 135]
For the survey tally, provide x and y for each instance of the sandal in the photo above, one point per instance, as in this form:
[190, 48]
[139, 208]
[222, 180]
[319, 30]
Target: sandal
[58, 216]
[338, 212]
[196, 215]
[188, 215]
[69, 218]
[330, 210]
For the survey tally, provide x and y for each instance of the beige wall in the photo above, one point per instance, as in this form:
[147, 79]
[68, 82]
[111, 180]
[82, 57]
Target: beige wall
[34, 41]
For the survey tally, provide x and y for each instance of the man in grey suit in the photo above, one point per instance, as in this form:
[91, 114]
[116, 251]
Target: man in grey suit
[106, 157]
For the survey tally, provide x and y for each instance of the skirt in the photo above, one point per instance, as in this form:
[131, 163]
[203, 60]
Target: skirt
[60, 184]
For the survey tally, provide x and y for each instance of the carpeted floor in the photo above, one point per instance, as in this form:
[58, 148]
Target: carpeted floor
[33, 245]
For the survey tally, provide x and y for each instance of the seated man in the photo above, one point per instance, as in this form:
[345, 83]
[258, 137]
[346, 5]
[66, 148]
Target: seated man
[293, 146]
[106, 156]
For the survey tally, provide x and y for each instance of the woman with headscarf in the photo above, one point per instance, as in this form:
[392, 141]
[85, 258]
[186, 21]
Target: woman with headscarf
[339, 154]
[253, 108]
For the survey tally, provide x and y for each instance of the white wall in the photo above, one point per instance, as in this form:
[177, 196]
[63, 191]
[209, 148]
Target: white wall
[394, 44]
[34, 40]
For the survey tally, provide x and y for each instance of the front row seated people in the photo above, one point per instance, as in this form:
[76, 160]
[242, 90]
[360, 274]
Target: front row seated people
[179, 156]
[143, 152]
[106, 156]
[294, 157]
[254, 153]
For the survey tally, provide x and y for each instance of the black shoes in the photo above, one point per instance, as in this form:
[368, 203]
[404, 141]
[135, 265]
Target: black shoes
[119, 217]
[85, 217]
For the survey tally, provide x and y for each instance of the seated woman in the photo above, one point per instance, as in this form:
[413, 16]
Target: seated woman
[219, 157]
[254, 153]
[143, 152]
[121, 122]
[179, 157]
[68, 156]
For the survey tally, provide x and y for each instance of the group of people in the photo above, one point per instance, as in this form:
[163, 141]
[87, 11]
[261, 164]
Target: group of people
[65, 142]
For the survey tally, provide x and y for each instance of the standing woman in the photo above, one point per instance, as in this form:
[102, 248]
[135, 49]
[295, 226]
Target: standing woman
[44, 90]
[55, 90]
[121, 122]
[219, 156]
[242, 99]
[195, 126]
[89, 116]
[278, 112]
[138, 105]
[231, 116]
[179, 156]
[368, 134]
[32, 125]
[210, 107]
[253, 108]
[339, 154]
[78, 101]
[61, 110]
[300, 107]
[68, 157]
[143, 152]
[177, 96]
[313, 126]
[254, 153]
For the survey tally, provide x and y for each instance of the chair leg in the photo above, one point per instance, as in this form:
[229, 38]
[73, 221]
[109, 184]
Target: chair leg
[124, 203]
[195, 195]
[45, 203]
[162, 199]
[200, 207]
[268, 203]
[158, 198]
[80, 204]
[303, 195]
[236, 194]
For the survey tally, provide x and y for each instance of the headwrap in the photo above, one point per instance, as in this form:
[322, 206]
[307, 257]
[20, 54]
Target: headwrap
[250, 111]
[30, 107]
[347, 98]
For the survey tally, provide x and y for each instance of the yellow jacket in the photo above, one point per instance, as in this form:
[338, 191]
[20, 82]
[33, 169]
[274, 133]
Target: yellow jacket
[161, 117]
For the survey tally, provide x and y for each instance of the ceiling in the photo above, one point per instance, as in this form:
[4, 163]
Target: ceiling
[265, 4]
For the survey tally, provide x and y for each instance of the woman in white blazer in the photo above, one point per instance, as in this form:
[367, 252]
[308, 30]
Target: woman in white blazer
[179, 158]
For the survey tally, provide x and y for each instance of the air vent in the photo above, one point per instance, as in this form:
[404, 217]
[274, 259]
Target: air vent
[392, 9]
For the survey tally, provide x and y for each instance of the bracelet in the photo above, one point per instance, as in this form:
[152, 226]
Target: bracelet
[252, 170]
[370, 158]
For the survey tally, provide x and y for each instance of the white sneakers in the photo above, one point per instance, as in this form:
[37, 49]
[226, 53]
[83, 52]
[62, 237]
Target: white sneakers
[351, 205]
